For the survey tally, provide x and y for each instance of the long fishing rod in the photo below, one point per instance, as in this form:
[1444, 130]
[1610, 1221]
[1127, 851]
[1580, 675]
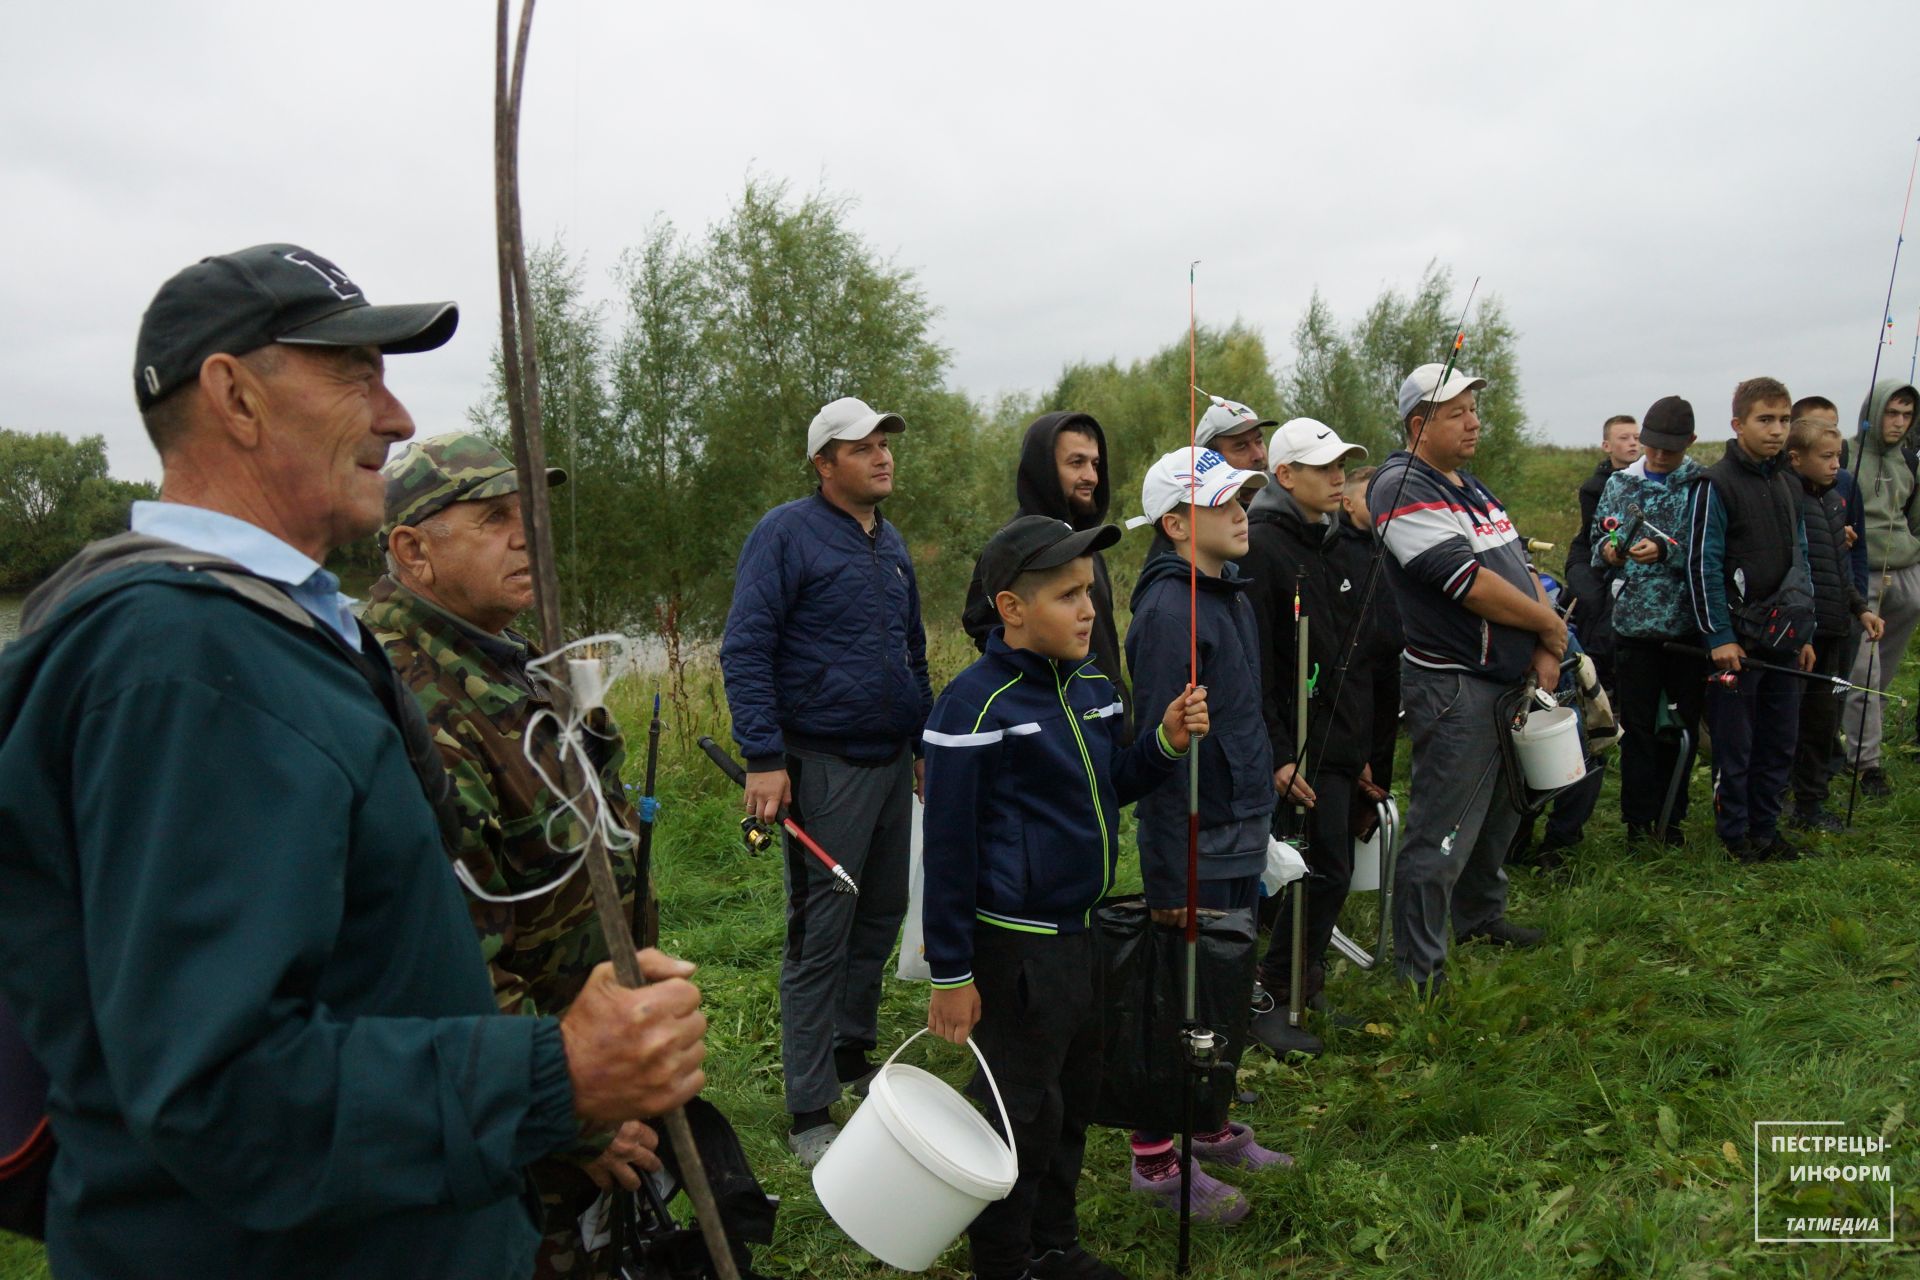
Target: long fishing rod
[1196, 1041]
[755, 833]
[1886, 560]
[1914, 364]
[519, 358]
[1302, 688]
[1377, 563]
[645, 923]
[1840, 684]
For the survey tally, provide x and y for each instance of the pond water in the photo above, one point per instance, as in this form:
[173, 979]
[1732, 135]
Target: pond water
[9, 617]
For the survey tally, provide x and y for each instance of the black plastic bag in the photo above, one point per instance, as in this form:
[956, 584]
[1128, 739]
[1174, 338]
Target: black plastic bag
[1143, 965]
[651, 1246]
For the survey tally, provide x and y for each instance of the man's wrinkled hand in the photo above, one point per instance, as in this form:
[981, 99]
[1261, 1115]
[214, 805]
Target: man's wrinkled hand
[634, 1052]
[632, 1147]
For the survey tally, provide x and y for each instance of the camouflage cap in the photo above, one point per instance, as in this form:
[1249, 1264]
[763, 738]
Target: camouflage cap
[428, 476]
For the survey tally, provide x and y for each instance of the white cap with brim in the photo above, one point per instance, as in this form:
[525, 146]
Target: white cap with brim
[1309, 443]
[848, 418]
[1183, 476]
[1226, 418]
[1423, 385]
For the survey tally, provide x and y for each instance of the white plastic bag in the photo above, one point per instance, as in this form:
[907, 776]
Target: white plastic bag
[1284, 866]
[913, 939]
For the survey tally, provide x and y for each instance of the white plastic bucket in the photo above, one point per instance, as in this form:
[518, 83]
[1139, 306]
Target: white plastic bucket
[1367, 852]
[1548, 745]
[915, 1165]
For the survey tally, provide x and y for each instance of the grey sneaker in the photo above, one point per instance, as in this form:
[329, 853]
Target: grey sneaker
[811, 1144]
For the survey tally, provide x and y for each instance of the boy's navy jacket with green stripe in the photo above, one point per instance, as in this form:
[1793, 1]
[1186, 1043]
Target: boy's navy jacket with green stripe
[1025, 778]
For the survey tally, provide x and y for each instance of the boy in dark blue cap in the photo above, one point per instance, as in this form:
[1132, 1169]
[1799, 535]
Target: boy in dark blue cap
[1025, 779]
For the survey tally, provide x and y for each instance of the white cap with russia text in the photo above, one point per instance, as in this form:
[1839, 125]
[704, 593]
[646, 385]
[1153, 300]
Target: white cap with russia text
[1184, 475]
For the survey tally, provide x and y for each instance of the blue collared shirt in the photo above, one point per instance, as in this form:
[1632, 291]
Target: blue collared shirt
[254, 549]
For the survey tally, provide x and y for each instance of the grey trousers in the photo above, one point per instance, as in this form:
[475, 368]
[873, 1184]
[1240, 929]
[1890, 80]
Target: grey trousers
[838, 944]
[1450, 721]
[1899, 607]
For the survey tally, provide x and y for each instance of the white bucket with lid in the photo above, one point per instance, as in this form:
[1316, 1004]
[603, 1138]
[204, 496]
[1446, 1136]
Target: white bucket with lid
[915, 1165]
[1548, 744]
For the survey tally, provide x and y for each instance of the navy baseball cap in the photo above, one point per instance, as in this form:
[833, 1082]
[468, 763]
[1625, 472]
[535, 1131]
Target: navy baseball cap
[240, 302]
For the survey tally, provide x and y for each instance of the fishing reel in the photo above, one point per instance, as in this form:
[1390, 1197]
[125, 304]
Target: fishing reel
[755, 834]
[1725, 679]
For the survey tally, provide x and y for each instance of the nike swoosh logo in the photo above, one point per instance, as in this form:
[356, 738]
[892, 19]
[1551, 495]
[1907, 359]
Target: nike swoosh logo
[1323, 435]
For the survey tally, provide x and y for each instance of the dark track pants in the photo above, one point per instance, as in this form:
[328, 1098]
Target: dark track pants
[1039, 1029]
[838, 943]
[1651, 676]
[1329, 855]
[1755, 727]
[1819, 716]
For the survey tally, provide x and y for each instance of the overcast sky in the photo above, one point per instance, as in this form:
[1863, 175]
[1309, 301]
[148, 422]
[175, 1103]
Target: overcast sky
[1667, 197]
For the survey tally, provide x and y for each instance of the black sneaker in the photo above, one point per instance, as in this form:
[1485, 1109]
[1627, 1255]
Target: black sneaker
[1505, 933]
[1777, 848]
[1746, 851]
[1815, 818]
[1873, 782]
[1072, 1263]
[1280, 1038]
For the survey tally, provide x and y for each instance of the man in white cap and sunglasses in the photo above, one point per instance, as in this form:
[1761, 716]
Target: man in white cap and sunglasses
[825, 664]
[1477, 623]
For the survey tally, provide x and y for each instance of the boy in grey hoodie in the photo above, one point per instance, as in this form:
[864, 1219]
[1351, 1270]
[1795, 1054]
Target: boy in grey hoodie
[1886, 480]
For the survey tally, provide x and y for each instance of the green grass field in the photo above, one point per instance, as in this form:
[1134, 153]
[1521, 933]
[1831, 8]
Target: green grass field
[1586, 1108]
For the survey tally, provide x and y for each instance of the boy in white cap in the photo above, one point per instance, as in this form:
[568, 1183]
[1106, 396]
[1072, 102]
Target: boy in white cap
[1298, 551]
[1476, 621]
[1189, 497]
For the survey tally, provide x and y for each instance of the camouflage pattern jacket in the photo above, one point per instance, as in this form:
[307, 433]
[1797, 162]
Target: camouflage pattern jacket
[478, 699]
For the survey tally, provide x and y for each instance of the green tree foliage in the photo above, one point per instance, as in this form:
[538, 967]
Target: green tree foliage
[1349, 377]
[55, 497]
[1145, 408]
[683, 415]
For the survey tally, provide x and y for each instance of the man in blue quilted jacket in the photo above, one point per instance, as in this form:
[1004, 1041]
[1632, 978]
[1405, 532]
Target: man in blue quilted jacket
[825, 663]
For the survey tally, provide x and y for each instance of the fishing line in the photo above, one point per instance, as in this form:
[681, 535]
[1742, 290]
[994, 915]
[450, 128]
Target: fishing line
[1380, 534]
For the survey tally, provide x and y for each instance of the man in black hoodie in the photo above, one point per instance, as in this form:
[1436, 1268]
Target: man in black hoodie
[1063, 474]
[1298, 553]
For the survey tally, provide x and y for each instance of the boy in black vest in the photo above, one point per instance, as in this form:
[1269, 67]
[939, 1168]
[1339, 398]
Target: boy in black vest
[1747, 577]
[1813, 451]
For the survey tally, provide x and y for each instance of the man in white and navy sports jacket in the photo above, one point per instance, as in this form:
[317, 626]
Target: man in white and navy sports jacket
[1476, 622]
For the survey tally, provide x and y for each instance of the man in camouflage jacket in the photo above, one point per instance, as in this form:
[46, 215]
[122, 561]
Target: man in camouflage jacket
[457, 576]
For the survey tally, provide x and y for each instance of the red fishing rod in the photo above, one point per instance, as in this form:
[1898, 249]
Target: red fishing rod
[1200, 1043]
[754, 831]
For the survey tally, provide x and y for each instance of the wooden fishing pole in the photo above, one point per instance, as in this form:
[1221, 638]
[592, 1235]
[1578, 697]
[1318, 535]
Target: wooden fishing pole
[519, 359]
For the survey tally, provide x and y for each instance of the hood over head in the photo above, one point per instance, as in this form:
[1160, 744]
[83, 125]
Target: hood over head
[1875, 405]
[1038, 483]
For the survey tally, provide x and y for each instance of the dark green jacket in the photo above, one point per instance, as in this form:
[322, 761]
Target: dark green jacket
[231, 935]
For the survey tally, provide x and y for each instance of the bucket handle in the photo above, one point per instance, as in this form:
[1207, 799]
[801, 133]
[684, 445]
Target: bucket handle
[1006, 1122]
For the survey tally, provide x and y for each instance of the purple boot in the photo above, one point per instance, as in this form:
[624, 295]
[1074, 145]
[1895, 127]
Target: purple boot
[1239, 1151]
[1213, 1200]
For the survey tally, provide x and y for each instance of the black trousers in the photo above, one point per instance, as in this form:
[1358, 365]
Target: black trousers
[1652, 676]
[1819, 716]
[1040, 1031]
[1756, 725]
[1329, 855]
